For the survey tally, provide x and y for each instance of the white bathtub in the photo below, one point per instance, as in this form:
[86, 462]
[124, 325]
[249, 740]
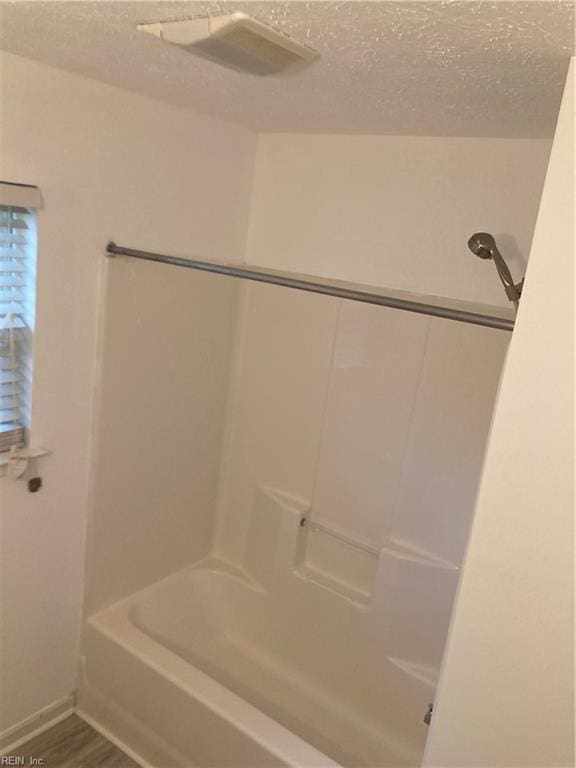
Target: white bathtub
[310, 652]
[194, 671]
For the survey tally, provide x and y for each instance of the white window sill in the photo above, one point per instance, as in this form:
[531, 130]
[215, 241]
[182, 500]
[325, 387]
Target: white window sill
[31, 453]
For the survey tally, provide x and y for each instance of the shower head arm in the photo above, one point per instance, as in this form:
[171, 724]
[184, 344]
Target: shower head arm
[513, 290]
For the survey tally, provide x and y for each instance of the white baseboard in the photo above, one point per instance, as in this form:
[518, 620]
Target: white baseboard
[17, 734]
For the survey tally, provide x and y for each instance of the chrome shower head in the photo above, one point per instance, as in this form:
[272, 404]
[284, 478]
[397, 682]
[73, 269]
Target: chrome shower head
[482, 244]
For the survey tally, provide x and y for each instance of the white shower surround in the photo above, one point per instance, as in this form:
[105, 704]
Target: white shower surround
[335, 414]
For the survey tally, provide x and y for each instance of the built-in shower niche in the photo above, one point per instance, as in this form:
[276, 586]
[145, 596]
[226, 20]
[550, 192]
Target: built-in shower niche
[283, 537]
[337, 561]
[400, 595]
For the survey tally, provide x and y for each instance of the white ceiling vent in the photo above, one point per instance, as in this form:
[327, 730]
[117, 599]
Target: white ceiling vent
[234, 40]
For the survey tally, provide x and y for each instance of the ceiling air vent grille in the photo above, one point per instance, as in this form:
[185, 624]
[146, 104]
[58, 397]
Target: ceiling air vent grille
[234, 40]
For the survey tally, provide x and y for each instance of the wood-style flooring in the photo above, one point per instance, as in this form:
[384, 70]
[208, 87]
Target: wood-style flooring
[72, 743]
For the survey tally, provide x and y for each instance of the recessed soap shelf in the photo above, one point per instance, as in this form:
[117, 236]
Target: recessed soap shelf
[335, 534]
[336, 561]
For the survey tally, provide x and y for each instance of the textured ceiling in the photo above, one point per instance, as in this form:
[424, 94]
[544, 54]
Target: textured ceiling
[434, 68]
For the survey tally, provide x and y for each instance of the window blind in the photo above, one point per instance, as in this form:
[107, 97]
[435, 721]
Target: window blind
[17, 303]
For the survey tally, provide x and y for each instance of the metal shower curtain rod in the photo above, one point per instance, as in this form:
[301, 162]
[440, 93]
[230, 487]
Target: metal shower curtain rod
[324, 288]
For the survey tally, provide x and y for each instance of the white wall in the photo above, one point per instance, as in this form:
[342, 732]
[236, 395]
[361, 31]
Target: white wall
[110, 165]
[395, 211]
[507, 690]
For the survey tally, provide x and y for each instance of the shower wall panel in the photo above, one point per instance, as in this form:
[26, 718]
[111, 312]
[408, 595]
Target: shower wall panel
[376, 421]
[284, 351]
[168, 342]
[374, 378]
[378, 417]
[448, 433]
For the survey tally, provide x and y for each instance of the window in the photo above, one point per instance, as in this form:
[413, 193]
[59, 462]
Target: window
[18, 204]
